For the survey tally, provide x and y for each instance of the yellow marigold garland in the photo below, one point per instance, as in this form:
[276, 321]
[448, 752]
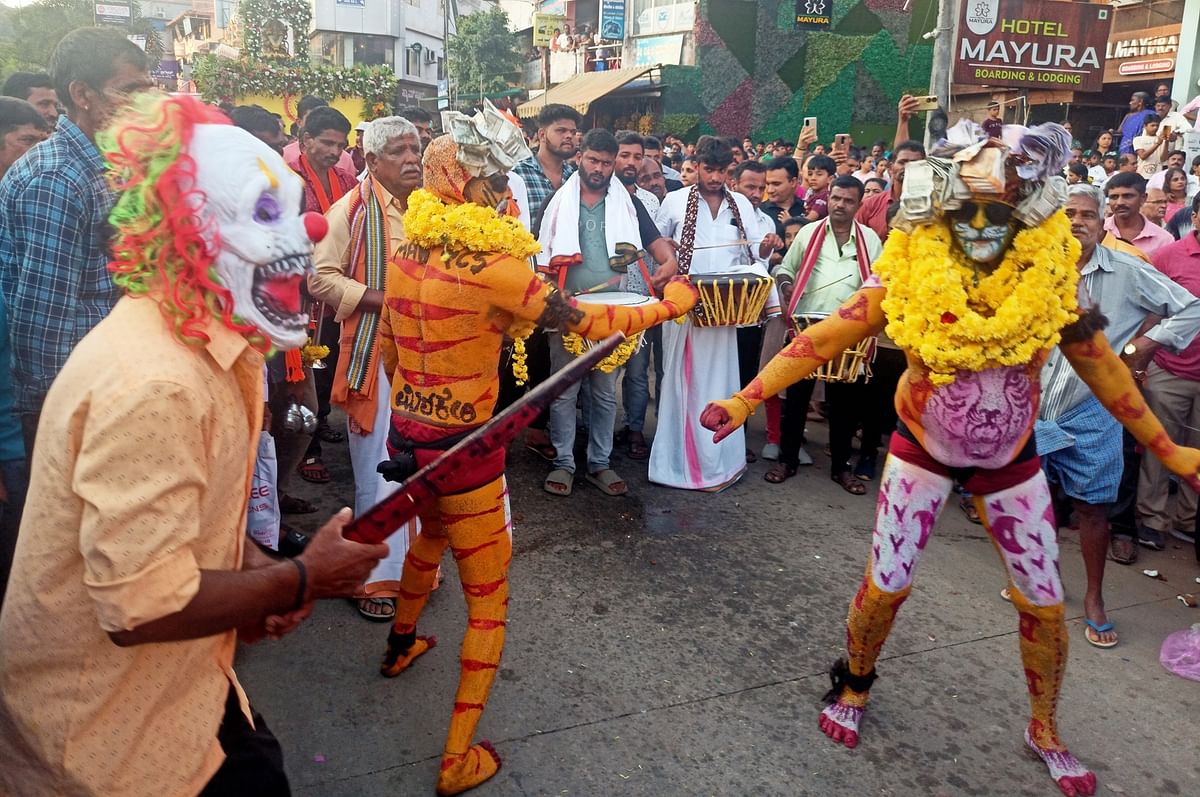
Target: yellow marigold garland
[936, 311]
[574, 344]
[312, 353]
[430, 223]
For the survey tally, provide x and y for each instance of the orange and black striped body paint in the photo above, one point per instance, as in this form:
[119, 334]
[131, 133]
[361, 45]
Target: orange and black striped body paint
[441, 329]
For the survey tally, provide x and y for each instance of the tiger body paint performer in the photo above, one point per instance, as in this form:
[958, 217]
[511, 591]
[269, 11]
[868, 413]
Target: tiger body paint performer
[976, 283]
[460, 282]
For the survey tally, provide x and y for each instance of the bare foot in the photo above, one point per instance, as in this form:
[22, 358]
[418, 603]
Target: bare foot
[397, 659]
[1072, 777]
[840, 721]
[466, 771]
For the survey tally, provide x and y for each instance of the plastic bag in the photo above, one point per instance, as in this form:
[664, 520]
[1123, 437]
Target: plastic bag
[1180, 653]
[262, 514]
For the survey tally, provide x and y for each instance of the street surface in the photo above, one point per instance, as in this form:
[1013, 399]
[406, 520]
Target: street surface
[677, 643]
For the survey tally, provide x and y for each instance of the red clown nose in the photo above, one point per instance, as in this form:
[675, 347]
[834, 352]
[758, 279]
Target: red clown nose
[316, 226]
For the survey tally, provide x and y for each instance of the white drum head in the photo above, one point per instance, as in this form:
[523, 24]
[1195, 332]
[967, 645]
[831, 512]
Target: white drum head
[624, 298]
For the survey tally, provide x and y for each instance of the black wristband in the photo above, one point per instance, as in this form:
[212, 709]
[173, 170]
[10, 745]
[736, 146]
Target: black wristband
[301, 585]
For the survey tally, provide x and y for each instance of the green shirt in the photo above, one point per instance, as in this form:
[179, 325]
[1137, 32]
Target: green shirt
[594, 270]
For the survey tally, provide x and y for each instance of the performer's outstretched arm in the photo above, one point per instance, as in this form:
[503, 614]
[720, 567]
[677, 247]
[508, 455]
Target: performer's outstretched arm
[1109, 378]
[859, 317]
[517, 290]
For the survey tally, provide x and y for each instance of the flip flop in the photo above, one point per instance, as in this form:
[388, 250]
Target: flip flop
[1098, 629]
[314, 470]
[637, 449]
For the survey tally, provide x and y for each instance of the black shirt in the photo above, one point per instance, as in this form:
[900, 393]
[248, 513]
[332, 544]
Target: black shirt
[773, 210]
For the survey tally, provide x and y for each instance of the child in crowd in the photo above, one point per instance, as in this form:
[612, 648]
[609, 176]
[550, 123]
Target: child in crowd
[818, 175]
[774, 338]
[1150, 147]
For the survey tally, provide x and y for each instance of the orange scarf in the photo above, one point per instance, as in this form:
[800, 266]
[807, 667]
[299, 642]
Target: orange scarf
[335, 185]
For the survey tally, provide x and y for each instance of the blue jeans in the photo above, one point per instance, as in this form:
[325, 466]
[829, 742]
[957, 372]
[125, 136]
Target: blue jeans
[635, 387]
[600, 419]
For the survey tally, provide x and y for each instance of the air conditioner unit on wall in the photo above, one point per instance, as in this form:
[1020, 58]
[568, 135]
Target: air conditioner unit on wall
[430, 56]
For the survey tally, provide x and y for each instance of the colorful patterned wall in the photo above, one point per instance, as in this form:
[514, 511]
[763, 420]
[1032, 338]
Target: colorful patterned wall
[757, 75]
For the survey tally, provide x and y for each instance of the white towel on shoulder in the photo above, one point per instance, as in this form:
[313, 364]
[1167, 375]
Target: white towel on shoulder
[559, 233]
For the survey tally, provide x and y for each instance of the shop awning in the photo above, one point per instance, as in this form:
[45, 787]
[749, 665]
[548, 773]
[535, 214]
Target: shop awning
[582, 90]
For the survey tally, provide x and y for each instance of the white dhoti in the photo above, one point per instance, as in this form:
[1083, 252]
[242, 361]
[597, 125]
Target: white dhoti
[366, 452]
[699, 365]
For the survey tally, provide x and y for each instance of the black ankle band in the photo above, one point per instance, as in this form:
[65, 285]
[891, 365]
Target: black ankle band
[841, 678]
[398, 645]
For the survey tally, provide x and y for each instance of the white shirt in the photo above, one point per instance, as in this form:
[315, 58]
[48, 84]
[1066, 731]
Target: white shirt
[520, 194]
[709, 231]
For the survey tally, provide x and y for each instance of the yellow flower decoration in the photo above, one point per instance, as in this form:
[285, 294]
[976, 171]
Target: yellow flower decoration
[936, 310]
[431, 223]
[574, 345]
[312, 353]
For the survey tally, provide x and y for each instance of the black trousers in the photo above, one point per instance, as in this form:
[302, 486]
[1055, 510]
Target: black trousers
[537, 360]
[253, 758]
[879, 407]
[1122, 515]
[749, 347]
[844, 405]
[323, 379]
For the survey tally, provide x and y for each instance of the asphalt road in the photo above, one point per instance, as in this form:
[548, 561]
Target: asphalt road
[677, 643]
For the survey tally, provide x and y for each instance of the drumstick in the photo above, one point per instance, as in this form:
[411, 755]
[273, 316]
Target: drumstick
[722, 246]
[597, 288]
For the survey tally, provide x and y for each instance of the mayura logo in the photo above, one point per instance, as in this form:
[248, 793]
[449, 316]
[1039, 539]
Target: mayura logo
[982, 16]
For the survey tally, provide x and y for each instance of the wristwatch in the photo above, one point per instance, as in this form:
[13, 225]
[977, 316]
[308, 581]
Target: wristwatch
[1129, 350]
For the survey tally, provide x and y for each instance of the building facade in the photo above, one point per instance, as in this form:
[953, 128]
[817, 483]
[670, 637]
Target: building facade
[406, 35]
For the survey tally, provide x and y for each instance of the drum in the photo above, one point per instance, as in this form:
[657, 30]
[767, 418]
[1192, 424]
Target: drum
[845, 367]
[577, 344]
[730, 300]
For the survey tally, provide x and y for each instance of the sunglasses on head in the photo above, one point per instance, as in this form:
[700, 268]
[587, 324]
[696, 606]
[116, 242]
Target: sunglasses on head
[996, 213]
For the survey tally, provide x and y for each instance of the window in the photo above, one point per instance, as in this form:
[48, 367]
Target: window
[412, 61]
[652, 17]
[346, 49]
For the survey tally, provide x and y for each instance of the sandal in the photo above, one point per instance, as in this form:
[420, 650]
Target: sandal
[538, 442]
[636, 448]
[330, 435]
[608, 482]
[378, 610]
[290, 505]
[850, 484]
[558, 482]
[1122, 551]
[314, 470]
[779, 473]
[967, 505]
[1092, 631]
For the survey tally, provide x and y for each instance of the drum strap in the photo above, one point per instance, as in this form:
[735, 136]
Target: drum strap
[812, 252]
[808, 265]
[691, 214]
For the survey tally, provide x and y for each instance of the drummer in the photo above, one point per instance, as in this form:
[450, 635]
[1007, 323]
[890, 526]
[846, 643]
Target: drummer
[717, 234]
[594, 236]
[823, 267]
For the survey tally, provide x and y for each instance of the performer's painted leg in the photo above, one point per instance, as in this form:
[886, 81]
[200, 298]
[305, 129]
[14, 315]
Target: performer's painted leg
[416, 582]
[1021, 523]
[910, 500]
[480, 533]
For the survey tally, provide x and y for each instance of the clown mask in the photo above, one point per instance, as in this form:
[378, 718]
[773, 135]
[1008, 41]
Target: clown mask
[983, 230]
[263, 243]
